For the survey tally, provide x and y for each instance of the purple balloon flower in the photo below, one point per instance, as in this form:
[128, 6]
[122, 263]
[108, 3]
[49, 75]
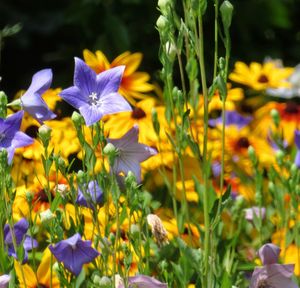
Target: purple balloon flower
[297, 141]
[231, 118]
[91, 195]
[32, 102]
[19, 231]
[130, 153]
[95, 95]
[10, 136]
[74, 252]
[272, 274]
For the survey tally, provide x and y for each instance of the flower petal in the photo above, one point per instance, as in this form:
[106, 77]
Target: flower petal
[269, 254]
[91, 114]
[84, 77]
[109, 81]
[113, 103]
[74, 97]
[41, 82]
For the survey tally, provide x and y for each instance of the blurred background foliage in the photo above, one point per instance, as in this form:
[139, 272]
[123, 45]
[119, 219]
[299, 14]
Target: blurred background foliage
[55, 31]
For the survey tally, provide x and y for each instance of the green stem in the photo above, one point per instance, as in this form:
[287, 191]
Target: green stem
[216, 38]
[205, 159]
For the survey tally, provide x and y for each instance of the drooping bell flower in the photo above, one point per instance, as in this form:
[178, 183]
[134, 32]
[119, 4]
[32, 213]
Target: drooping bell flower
[90, 195]
[19, 231]
[10, 136]
[32, 101]
[130, 153]
[74, 252]
[272, 274]
[95, 95]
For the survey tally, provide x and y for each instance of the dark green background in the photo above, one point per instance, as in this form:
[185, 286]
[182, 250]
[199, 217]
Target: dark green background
[55, 31]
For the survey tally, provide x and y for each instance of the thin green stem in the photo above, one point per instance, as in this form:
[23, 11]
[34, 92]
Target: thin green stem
[216, 38]
[205, 159]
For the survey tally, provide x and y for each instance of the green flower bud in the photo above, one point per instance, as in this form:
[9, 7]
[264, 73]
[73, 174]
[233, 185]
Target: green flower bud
[77, 119]
[80, 176]
[164, 5]
[46, 216]
[130, 179]
[29, 196]
[135, 230]
[279, 156]
[226, 13]
[45, 134]
[252, 154]
[112, 152]
[155, 121]
[275, 117]
[271, 187]
[161, 23]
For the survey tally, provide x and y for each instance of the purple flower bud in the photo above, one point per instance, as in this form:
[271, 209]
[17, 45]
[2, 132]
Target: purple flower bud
[4, 280]
[269, 254]
[258, 212]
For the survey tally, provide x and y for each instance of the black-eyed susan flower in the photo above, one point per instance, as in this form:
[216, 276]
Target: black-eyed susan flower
[260, 76]
[134, 84]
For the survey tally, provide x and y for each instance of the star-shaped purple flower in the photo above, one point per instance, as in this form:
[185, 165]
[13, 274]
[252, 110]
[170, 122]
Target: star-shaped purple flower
[74, 252]
[32, 102]
[95, 95]
[130, 153]
[10, 136]
[91, 195]
[19, 230]
[297, 141]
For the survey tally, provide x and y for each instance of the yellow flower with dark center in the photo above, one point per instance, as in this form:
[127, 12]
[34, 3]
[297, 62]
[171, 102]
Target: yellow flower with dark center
[40, 198]
[118, 124]
[261, 76]
[237, 143]
[134, 84]
[41, 278]
[289, 120]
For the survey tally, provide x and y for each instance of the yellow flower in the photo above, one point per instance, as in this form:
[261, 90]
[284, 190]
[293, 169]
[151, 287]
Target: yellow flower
[289, 120]
[118, 124]
[134, 84]
[41, 278]
[261, 76]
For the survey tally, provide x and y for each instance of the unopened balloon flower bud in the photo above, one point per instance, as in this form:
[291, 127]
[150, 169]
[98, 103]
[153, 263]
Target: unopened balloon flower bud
[46, 216]
[275, 117]
[62, 189]
[45, 134]
[226, 13]
[162, 22]
[77, 119]
[164, 5]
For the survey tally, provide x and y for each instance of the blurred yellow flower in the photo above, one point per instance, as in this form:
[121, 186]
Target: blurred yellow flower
[289, 120]
[134, 84]
[261, 76]
[42, 277]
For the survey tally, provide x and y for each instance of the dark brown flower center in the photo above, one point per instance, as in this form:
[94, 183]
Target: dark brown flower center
[243, 142]
[263, 79]
[138, 113]
[291, 108]
[42, 197]
[32, 131]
